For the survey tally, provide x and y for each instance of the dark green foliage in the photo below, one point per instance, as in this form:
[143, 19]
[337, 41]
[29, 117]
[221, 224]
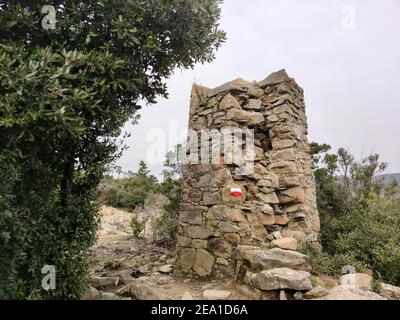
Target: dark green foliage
[360, 223]
[65, 94]
[130, 191]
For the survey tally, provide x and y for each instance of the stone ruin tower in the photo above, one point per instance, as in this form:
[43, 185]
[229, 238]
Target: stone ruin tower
[265, 200]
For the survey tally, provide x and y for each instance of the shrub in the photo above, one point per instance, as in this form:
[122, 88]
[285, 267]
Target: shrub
[360, 220]
[167, 223]
[136, 225]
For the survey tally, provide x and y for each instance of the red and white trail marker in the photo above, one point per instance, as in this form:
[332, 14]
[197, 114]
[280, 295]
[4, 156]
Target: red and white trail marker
[236, 192]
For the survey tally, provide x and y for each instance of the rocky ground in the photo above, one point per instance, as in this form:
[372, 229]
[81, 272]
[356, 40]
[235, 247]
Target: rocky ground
[126, 267]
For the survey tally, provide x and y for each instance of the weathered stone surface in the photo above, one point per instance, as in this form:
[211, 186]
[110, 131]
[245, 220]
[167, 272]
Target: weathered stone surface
[264, 183]
[228, 228]
[284, 167]
[91, 294]
[215, 179]
[238, 85]
[258, 231]
[277, 235]
[191, 217]
[222, 261]
[390, 292]
[196, 232]
[282, 278]
[203, 263]
[167, 268]
[267, 209]
[199, 244]
[246, 117]
[229, 102]
[281, 220]
[266, 219]
[198, 96]
[290, 181]
[104, 282]
[316, 292]
[361, 281]
[343, 293]
[183, 241]
[109, 296]
[254, 104]
[256, 92]
[187, 259]
[233, 214]
[137, 291]
[216, 294]
[274, 78]
[211, 198]
[292, 195]
[187, 296]
[277, 258]
[268, 197]
[125, 277]
[249, 292]
[240, 251]
[285, 154]
[285, 243]
[233, 238]
[220, 247]
[278, 144]
[300, 236]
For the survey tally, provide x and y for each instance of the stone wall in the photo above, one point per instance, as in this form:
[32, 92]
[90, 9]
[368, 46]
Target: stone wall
[274, 204]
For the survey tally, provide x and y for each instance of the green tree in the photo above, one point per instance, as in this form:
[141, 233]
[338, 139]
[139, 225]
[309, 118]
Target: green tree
[65, 94]
[359, 214]
[166, 225]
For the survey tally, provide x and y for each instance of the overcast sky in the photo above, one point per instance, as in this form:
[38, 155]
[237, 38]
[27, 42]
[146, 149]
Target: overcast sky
[345, 54]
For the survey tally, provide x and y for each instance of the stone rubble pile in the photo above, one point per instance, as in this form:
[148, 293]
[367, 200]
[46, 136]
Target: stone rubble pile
[276, 272]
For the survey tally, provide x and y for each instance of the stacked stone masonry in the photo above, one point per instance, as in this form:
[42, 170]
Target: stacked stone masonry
[276, 206]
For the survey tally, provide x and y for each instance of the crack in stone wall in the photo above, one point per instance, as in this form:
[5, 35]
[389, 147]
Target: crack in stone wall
[277, 197]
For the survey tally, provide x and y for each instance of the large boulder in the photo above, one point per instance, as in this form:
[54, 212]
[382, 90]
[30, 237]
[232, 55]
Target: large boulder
[390, 292]
[342, 293]
[138, 291]
[316, 292]
[104, 282]
[276, 258]
[282, 278]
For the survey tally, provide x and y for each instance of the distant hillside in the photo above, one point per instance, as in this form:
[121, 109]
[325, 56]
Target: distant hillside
[388, 177]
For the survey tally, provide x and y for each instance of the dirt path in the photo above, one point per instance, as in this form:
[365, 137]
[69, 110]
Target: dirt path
[117, 253]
